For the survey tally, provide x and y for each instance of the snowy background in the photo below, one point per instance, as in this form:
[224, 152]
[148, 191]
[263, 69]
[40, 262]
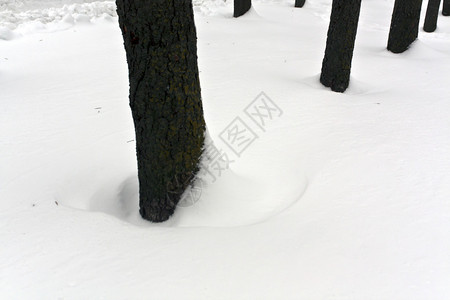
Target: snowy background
[340, 196]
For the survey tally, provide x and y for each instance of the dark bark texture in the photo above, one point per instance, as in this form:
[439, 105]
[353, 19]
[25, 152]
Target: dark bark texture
[446, 8]
[404, 25]
[241, 7]
[161, 47]
[299, 3]
[432, 15]
[337, 62]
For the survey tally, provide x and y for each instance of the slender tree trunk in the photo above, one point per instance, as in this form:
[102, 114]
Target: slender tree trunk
[161, 47]
[299, 3]
[446, 8]
[337, 62]
[432, 15]
[241, 7]
[404, 25]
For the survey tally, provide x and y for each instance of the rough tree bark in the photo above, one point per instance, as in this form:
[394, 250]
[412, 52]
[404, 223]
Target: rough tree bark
[299, 3]
[446, 8]
[241, 7]
[337, 62]
[432, 15]
[404, 25]
[161, 48]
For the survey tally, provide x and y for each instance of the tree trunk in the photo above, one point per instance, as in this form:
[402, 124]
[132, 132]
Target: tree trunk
[340, 44]
[404, 25]
[161, 48]
[241, 7]
[432, 15]
[299, 3]
[446, 8]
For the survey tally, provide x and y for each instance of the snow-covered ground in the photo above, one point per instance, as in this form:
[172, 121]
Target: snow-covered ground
[340, 196]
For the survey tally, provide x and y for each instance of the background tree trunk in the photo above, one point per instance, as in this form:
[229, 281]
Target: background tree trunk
[446, 8]
[299, 3]
[241, 7]
[340, 44]
[161, 47]
[432, 15]
[404, 25]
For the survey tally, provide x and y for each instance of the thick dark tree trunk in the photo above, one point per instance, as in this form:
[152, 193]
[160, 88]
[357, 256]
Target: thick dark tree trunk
[340, 44]
[241, 7]
[161, 47]
[299, 3]
[404, 25]
[446, 8]
[432, 15]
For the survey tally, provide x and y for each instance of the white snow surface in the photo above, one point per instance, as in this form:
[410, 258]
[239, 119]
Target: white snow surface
[343, 196]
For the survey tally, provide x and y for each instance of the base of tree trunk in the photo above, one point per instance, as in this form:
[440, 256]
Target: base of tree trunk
[299, 3]
[446, 8]
[342, 30]
[241, 7]
[404, 25]
[432, 15]
[160, 209]
[156, 214]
